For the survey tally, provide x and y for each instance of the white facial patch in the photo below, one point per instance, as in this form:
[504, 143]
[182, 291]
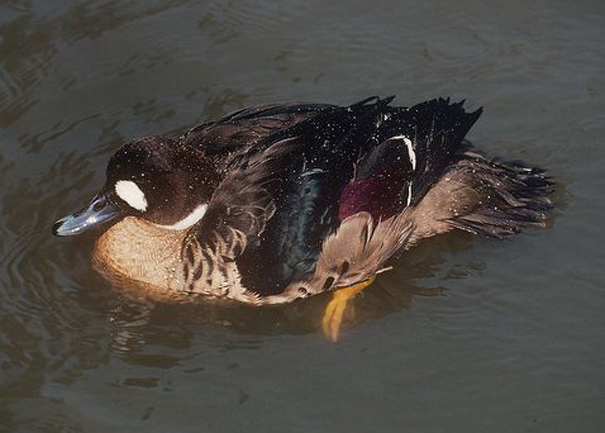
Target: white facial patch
[190, 219]
[130, 192]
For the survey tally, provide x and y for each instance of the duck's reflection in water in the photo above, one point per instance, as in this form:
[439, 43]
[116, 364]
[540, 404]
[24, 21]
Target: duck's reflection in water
[138, 319]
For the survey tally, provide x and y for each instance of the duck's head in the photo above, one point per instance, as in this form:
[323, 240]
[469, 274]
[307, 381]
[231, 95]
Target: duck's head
[154, 178]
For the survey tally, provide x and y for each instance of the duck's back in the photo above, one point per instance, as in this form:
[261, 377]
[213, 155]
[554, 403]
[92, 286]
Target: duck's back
[241, 130]
[290, 191]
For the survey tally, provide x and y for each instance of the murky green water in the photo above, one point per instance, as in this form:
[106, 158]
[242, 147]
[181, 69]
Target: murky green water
[512, 339]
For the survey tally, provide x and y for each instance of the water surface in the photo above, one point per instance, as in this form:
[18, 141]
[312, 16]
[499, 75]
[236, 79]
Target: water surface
[465, 335]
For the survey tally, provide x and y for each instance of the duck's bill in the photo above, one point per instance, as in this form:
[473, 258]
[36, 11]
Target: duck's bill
[99, 211]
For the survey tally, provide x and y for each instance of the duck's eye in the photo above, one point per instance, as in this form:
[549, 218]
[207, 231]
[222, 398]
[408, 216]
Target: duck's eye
[130, 192]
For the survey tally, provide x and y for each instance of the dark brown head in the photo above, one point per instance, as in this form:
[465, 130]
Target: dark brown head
[155, 178]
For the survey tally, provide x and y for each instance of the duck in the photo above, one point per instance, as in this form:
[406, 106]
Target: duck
[280, 202]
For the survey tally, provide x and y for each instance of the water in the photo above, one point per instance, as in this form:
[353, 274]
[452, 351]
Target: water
[466, 335]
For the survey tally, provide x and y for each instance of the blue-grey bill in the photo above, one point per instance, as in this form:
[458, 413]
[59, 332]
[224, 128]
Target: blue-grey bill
[99, 211]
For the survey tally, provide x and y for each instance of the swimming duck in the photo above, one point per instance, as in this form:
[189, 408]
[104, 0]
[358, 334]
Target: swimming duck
[275, 203]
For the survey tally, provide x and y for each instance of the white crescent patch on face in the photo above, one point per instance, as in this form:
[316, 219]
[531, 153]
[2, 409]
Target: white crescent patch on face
[189, 220]
[130, 192]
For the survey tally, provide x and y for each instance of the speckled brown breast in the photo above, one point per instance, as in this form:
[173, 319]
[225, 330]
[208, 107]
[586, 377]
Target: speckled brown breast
[134, 254]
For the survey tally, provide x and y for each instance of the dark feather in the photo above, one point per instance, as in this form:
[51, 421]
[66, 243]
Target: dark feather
[243, 128]
[400, 171]
[241, 205]
[302, 171]
[380, 184]
[307, 193]
[436, 129]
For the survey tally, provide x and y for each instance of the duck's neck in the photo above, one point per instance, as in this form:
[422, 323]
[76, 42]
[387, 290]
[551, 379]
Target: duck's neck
[136, 254]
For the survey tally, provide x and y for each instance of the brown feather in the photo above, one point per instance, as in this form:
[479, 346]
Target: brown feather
[356, 252]
[483, 197]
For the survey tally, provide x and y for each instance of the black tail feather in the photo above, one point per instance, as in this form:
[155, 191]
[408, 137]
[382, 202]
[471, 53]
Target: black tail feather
[436, 129]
